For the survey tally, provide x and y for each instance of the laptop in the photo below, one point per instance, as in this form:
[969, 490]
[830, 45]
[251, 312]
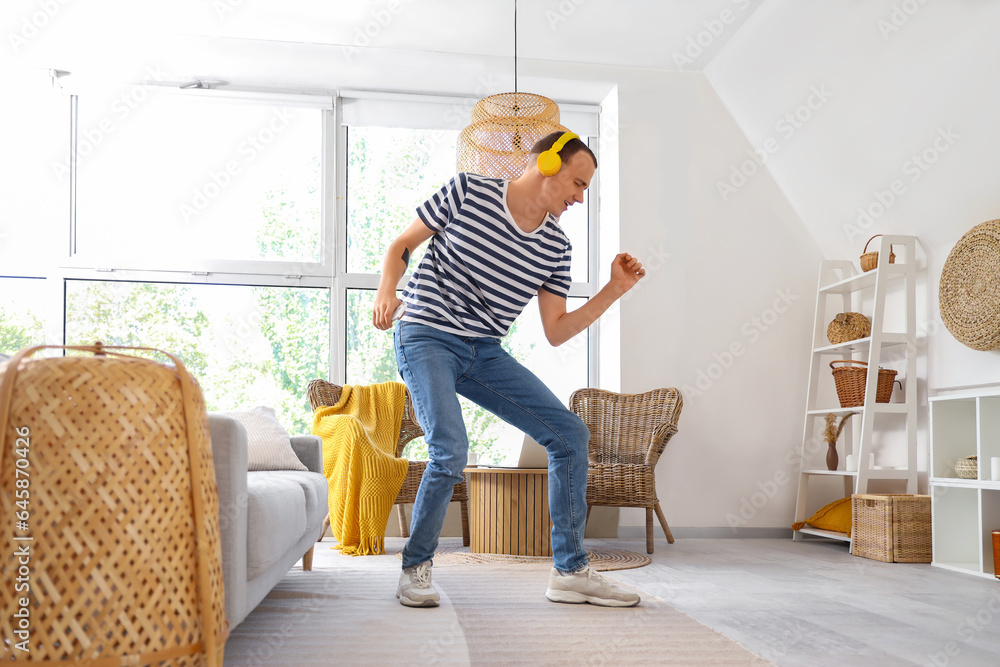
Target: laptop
[532, 456]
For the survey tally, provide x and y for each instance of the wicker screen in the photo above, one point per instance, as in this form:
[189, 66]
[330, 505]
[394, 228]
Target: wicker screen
[121, 536]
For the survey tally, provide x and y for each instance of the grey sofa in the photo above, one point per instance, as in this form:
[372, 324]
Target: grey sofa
[268, 519]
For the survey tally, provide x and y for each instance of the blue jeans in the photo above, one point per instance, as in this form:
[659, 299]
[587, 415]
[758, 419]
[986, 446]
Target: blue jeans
[436, 366]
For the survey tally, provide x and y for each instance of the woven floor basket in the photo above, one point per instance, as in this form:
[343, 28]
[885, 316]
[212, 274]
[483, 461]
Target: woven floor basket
[892, 528]
[121, 536]
[969, 291]
[869, 260]
[850, 383]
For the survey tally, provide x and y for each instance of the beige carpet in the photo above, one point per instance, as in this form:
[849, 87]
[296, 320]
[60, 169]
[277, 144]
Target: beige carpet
[345, 612]
[602, 559]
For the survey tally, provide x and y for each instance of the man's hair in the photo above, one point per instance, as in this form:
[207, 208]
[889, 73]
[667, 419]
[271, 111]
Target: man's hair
[571, 148]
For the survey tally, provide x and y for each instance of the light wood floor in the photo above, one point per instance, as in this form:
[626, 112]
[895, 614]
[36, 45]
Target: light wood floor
[812, 603]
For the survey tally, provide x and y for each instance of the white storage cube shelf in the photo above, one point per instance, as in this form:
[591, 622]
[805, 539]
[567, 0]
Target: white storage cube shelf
[965, 512]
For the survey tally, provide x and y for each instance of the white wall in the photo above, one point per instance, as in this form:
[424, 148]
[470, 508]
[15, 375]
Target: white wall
[725, 311]
[887, 95]
[911, 99]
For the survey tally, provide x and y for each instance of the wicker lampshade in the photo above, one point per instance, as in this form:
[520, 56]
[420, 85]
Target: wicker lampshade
[503, 130]
[117, 530]
[499, 147]
[518, 105]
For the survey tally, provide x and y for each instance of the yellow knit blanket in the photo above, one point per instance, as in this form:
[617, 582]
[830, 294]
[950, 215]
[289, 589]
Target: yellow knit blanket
[359, 437]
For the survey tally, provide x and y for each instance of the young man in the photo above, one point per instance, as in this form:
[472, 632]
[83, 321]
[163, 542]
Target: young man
[496, 244]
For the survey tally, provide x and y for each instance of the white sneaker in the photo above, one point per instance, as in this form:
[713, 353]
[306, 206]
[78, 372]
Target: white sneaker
[415, 587]
[588, 585]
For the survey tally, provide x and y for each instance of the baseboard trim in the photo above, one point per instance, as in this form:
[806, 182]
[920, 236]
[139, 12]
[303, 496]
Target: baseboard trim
[699, 532]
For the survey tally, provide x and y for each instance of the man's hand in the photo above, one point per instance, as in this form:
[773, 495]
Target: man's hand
[385, 305]
[626, 271]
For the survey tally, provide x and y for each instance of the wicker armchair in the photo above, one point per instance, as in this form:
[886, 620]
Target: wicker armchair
[321, 392]
[628, 433]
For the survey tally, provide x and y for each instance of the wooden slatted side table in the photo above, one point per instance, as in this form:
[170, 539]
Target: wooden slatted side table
[509, 511]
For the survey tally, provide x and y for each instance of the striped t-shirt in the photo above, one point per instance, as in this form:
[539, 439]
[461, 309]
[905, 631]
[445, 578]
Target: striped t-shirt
[480, 269]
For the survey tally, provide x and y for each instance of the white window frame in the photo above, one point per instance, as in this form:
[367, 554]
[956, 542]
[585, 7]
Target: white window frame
[331, 271]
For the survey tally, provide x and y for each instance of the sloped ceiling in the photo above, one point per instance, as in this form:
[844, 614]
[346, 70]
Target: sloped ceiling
[881, 116]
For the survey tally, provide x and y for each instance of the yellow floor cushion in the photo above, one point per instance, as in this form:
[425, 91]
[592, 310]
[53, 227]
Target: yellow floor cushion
[834, 516]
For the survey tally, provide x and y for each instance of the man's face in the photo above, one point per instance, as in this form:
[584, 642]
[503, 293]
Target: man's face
[566, 187]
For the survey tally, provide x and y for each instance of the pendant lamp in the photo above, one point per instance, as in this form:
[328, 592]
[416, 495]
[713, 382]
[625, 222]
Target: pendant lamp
[504, 127]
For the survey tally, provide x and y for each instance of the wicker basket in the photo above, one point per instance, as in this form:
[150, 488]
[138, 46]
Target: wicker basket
[124, 559]
[968, 467]
[869, 260]
[848, 326]
[851, 383]
[893, 528]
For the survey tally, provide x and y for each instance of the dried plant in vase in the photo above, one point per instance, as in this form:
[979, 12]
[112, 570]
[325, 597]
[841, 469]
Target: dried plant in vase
[831, 434]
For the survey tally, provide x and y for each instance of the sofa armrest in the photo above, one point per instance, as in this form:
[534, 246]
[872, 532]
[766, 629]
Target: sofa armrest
[309, 449]
[229, 454]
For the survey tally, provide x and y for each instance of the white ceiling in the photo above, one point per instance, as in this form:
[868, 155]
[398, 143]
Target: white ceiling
[658, 34]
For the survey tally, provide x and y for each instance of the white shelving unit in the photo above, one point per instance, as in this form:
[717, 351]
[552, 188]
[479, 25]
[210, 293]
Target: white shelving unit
[887, 296]
[964, 512]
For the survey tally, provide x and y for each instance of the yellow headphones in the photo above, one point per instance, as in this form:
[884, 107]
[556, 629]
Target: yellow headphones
[549, 161]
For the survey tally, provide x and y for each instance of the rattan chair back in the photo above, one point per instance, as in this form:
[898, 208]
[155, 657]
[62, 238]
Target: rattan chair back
[628, 428]
[628, 433]
[322, 393]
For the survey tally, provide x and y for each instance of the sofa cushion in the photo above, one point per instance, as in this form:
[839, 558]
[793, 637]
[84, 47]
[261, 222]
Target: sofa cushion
[276, 518]
[316, 489]
[269, 446]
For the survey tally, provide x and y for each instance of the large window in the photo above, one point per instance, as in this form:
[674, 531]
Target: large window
[246, 345]
[243, 233]
[185, 177]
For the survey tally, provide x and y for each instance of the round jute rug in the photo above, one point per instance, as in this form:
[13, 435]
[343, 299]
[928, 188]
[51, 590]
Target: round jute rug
[602, 559]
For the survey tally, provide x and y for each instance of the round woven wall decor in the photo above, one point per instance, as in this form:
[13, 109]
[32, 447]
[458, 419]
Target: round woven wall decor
[969, 292]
